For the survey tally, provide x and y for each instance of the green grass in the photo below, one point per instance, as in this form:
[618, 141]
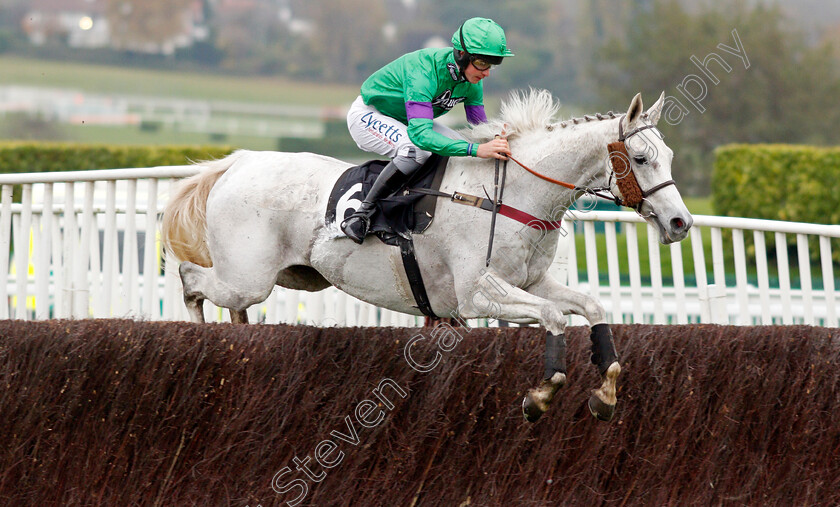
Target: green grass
[131, 135]
[102, 79]
[162, 83]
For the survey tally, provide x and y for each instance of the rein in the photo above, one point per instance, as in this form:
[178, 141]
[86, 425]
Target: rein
[620, 162]
[543, 176]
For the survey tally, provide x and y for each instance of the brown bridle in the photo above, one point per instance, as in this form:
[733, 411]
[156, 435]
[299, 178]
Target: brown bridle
[620, 163]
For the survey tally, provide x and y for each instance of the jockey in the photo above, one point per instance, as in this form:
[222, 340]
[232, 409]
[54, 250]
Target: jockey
[394, 115]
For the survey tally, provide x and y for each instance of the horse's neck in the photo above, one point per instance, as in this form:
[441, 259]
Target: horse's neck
[575, 155]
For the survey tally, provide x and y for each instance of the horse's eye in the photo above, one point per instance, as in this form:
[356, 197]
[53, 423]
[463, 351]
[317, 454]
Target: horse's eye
[640, 159]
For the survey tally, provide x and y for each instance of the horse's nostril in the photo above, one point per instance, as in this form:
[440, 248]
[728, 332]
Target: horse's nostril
[677, 224]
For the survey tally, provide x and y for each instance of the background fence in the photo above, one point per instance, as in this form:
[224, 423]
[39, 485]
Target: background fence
[86, 244]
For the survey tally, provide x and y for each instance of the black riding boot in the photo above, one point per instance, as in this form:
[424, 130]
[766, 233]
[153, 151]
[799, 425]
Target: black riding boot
[389, 181]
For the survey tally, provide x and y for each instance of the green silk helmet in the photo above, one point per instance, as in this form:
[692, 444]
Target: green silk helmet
[480, 38]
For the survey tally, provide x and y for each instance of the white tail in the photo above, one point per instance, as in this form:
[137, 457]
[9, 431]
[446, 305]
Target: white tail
[184, 227]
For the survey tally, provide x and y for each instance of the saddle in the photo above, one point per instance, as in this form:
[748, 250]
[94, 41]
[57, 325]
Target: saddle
[398, 216]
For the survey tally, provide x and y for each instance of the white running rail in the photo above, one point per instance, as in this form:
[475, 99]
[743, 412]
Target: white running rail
[74, 246]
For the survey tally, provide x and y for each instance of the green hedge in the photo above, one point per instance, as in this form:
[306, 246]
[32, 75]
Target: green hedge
[29, 157]
[778, 182]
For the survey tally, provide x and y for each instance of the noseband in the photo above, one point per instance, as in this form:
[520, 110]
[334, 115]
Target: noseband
[625, 178]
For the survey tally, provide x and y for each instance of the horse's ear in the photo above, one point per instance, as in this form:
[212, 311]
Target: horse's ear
[655, 110]
[634, 112]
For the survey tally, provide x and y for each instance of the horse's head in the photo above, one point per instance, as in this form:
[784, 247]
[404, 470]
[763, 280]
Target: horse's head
[641, 166]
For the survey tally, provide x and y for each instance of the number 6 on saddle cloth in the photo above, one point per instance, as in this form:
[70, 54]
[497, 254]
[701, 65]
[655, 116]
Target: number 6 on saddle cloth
[397, 216]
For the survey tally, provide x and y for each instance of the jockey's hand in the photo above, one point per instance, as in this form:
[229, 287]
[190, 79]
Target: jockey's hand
[497, 148]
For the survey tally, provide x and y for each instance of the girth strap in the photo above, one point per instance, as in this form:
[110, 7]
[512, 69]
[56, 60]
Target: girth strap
[415, 279]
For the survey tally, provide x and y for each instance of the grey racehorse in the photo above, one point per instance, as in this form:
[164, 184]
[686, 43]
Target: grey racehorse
[254, 220]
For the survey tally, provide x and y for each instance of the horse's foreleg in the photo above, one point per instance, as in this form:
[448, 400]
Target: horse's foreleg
[498, 299]
[537, 400]
[604, 356]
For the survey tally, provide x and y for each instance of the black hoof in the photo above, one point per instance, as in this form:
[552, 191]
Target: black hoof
[530, 410]
[601, 410]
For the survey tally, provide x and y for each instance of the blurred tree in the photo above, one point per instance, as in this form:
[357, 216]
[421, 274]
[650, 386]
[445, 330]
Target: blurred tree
[249, 37]
[777, 91]
[526, 24]
[147, 25]
[348, 36]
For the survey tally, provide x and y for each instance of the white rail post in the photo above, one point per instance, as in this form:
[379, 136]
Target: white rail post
[172, 296]
[741, 277]
[341, 308]
[42, 268]
[70, 247]
[700, 272]
[151, 301]
[572, 270]
[784, 277]
[635, 272]
[716, 300]
[763, 277]
[613, 272]
[22, 252]
[131, 303]
[828, 281]
[292, 302]
[58, 263]
[656, 276]
[81, 298]
[805, 278]
[591, 244]
[109, 249]
[5, 248]
[350, 311]
[679, 282]
[96, 279]
[718, 294]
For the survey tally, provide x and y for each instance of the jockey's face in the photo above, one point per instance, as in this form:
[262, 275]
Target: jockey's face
[474, 75]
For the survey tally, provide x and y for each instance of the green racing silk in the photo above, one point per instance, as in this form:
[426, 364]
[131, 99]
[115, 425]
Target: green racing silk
[420, 86]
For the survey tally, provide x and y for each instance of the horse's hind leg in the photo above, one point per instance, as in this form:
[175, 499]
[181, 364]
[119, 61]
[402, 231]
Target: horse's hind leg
[233, 288]
[193, 298]
[239, 317]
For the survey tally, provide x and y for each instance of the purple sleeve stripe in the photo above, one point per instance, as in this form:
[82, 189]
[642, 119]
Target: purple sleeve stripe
[422, 110]
[476, 114]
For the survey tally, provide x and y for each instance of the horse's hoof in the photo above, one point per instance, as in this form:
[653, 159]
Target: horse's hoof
[601, 410]
[603, 400]
[530, 409]
[537, 400]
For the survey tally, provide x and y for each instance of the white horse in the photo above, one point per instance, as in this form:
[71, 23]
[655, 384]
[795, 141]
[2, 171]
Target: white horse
[257, 219]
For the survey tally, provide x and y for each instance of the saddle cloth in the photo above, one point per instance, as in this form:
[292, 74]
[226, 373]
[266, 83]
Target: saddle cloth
[397, 216]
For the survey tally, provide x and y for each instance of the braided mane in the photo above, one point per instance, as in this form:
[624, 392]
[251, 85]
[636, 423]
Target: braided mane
[528, 111]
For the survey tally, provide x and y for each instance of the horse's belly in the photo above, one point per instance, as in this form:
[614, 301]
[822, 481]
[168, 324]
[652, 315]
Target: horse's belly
[371, 272]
